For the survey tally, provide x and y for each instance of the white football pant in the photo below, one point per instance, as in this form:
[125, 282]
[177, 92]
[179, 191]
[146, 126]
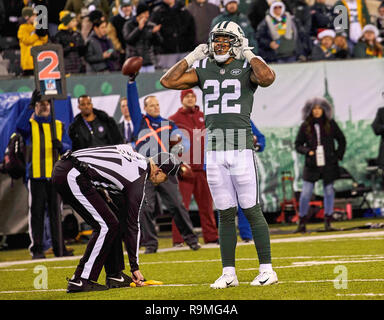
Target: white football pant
[233, 179]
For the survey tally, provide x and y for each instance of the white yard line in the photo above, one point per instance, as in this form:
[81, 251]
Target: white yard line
[360, 294]
[325, 280]
[360, 239]
[364, 258]
[280, 240]
[207, 284]
[48, 267]
[32, 291]
[317, 263]
[331, 236]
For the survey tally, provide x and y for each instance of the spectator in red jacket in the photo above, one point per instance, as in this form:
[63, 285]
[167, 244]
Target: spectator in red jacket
[191, 119]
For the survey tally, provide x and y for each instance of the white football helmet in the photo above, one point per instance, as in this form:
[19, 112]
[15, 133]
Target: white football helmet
[229, 29]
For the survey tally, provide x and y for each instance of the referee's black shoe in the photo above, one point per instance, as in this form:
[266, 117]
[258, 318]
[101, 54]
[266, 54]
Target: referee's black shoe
[83, 285]
[120, 280]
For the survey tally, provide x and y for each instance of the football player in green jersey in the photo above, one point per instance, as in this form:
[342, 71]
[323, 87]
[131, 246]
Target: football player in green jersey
[228, 73]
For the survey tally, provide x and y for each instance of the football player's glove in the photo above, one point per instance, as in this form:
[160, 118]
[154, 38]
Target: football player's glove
[242, 50]
[200, 52]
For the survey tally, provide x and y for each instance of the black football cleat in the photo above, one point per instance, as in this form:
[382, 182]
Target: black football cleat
[118, 281]
[84, 285]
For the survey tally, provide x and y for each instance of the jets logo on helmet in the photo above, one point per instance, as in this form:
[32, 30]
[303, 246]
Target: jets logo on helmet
[226, 29]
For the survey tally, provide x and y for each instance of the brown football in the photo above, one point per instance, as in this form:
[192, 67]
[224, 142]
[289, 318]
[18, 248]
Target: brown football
[132, 65]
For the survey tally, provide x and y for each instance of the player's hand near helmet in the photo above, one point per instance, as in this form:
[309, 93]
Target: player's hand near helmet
[244, 51]
[200, 52]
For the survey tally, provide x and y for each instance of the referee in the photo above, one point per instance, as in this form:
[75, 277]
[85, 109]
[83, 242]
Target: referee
[115, 170]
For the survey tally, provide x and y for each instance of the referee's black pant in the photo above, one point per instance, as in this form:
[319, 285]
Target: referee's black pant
[77, 190]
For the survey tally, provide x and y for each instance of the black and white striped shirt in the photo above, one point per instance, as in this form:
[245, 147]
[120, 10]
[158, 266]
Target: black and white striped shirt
[114, 168]
[123, 172]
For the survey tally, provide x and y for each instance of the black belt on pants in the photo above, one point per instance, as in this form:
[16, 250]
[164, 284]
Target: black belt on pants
[82, 167]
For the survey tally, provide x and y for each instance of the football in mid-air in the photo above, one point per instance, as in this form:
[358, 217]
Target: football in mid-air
[132, 65]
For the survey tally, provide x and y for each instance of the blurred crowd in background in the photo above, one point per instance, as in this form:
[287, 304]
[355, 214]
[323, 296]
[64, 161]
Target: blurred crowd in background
[98, 35]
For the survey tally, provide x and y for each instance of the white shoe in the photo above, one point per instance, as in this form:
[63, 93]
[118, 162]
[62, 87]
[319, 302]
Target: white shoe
[265, 278]
[225, 281]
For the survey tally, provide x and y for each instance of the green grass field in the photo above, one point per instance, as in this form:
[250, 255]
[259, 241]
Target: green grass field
[340, 265]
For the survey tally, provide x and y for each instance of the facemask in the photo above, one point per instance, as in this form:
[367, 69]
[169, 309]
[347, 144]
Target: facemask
[221, 58]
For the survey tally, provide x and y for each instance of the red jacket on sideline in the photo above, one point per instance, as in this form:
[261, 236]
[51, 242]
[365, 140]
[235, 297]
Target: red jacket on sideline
[189, 119]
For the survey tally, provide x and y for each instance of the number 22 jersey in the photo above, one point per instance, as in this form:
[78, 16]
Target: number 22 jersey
[227, 103]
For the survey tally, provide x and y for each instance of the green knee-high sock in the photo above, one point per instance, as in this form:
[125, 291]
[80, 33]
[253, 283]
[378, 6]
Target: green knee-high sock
[228, 236]
[260, 233]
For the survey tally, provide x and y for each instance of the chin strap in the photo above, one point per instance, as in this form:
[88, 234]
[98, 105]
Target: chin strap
[222, 58]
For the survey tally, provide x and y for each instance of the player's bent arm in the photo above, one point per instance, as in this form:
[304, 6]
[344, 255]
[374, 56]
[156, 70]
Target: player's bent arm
[179, 77]
[262, 74]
